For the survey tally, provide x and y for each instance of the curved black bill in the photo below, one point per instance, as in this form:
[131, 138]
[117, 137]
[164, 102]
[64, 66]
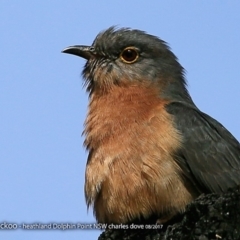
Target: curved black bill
[81, 51]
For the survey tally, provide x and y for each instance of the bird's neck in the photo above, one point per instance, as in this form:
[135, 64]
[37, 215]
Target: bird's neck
[119, 109]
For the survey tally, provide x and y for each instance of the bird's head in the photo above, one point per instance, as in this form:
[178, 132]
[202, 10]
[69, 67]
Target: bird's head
[123, 57]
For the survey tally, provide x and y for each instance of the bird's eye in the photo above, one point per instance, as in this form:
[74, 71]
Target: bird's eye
[129, 55]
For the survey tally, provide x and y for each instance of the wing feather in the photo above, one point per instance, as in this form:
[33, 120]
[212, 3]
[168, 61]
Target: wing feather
[210, 155]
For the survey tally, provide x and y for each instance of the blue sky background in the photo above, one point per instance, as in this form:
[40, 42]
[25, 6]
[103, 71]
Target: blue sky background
[43, 104]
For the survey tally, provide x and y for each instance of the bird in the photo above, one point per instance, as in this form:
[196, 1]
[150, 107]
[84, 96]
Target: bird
[151, 151]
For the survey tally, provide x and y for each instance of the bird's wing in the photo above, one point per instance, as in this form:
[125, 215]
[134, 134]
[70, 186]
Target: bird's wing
[210, 155]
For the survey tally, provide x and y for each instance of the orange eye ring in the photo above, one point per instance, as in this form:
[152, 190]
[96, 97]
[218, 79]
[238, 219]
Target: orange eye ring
[129, 55]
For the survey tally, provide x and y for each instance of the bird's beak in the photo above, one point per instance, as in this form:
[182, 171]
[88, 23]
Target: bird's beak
[82, 51]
